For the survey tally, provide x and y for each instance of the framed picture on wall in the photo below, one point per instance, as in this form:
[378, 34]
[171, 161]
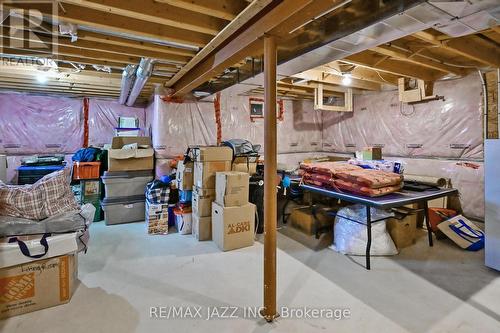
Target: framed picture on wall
[257, 109]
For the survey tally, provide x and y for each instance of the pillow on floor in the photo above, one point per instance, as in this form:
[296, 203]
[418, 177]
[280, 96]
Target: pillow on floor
[49, 196]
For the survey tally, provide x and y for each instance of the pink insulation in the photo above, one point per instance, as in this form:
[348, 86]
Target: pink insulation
[176, 125]
[450, 129]
[103, 118]
[39, 124]
[299, 131]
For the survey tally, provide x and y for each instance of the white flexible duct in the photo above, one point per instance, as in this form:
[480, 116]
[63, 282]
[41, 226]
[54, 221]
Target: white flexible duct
[128, 76]
[141, 77]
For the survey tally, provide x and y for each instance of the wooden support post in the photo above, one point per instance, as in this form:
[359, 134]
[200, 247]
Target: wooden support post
[270, 175]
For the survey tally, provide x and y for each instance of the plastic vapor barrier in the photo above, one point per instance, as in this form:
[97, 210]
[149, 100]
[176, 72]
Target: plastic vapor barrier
[39, 124]
[450, 129]
[103, 119]
[176, 125]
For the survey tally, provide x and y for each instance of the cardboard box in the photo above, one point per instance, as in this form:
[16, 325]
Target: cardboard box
[184, 175]
[204, 172]
[202, 227]
[250, 168]
[205, 192]
[403, 231]
[212, 154]
[372, 153]
[231, 188]
[37, 285]
[202, 205]
[303, 219]
[233, 227]
[140, 158]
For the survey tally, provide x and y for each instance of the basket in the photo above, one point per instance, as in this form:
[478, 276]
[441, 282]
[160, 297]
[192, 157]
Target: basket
[86, 170]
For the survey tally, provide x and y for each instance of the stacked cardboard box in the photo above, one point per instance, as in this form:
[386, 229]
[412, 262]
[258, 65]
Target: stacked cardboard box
[233, 217]
[207, 161]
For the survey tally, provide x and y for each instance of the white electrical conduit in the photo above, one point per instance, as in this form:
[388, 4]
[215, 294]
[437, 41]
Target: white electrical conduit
[128, 76]
[141, 77]
[485, 105]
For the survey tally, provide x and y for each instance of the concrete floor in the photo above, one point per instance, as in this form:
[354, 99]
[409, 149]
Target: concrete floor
[126, 272]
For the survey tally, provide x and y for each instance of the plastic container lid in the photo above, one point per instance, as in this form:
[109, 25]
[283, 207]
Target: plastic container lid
[122, 200]
[126, 174]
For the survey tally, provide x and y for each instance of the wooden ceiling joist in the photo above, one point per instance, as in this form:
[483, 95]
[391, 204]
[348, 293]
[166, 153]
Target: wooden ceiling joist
[132, 44]
[42, 40]
[469, 47]
[121, 24]
[319, 75]
[392, 66]
[151, 11]
[224, 9]
[417, 59]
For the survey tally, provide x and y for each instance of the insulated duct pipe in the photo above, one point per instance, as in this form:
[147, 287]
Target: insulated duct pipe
[128, 76]
[141, 77]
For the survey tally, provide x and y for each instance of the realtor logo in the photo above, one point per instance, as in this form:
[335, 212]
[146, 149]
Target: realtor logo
[25, 28]
[235, 228]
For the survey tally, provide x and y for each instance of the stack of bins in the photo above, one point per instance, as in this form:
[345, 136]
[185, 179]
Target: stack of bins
[125, 199]
[184, 183]
[207, 161]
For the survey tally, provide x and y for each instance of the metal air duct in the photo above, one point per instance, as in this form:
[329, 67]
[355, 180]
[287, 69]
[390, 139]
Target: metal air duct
[141, 77]
[128, 77]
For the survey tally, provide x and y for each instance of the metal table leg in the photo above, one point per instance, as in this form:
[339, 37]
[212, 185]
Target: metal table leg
[427, 222]
[369, 234]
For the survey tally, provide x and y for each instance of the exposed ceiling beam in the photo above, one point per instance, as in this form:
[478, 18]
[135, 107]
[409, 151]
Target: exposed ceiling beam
[361, 73]
[224, 9]
[91, 53]
[133, 44]
[468, 47]
[151, 11]
[279, 21]
[40, 39]
[14, 53]
[395, 67]
[245, 16]
[121, 24]
[417, 59]
[320, 76]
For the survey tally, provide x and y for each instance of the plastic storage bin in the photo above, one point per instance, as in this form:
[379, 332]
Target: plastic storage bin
[123, 210]
[31, 174]
[126, 183]
[86, 170]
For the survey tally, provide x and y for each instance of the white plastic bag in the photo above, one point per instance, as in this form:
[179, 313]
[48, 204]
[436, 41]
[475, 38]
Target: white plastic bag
[350, 237]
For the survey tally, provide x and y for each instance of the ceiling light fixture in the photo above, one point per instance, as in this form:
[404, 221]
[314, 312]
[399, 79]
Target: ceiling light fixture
[346, 79]
[42, 77]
